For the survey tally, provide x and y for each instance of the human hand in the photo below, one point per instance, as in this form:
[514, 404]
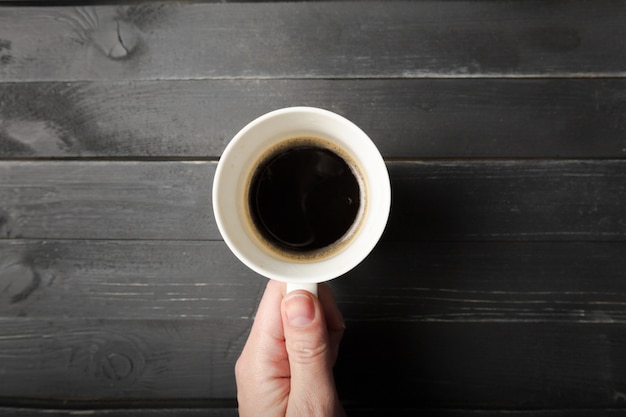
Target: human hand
[285, 368]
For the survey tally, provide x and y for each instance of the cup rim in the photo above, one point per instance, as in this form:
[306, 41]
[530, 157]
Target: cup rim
[228, 192]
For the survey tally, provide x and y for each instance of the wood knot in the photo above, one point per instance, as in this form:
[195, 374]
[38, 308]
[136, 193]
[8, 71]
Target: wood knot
[5, 56]
[117, 366]
[18, 282]
[118, 363]
[104, 28]
[4, 220]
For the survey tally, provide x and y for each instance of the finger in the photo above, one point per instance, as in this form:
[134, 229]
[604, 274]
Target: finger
[308, 345]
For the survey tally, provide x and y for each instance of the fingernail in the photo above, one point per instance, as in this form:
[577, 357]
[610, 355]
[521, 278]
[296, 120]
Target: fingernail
[299, 310]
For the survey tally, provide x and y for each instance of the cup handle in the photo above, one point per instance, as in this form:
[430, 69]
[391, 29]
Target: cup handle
[292, 286]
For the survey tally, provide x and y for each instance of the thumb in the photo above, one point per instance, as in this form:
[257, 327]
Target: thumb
[308, 345]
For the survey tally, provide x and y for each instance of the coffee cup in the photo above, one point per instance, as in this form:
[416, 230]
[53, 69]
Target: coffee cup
[301, 195]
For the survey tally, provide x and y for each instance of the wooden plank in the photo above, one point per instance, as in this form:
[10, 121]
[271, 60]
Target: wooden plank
[474, 365]
[100, 359]
[451, 118]
[313, 40]
[502, 200]
[432, 200]
[487, 282]
[412, 412]
[102, 200]
[232, 412]
[498, 282]
[423, 365]
[125, 279]
[474, 413]
[373, 412]
[123, 412]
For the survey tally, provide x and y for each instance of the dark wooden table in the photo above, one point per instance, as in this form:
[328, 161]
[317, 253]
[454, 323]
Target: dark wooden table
[499, 287]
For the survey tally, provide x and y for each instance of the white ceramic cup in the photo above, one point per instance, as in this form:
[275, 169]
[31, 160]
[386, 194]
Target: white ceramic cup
[242, 157]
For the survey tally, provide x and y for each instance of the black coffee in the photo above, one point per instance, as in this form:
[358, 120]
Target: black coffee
[304, 198]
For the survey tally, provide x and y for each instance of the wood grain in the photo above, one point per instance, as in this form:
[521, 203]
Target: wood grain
[406, 118]
[432, 200]
[313, 40]
[464, 282]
